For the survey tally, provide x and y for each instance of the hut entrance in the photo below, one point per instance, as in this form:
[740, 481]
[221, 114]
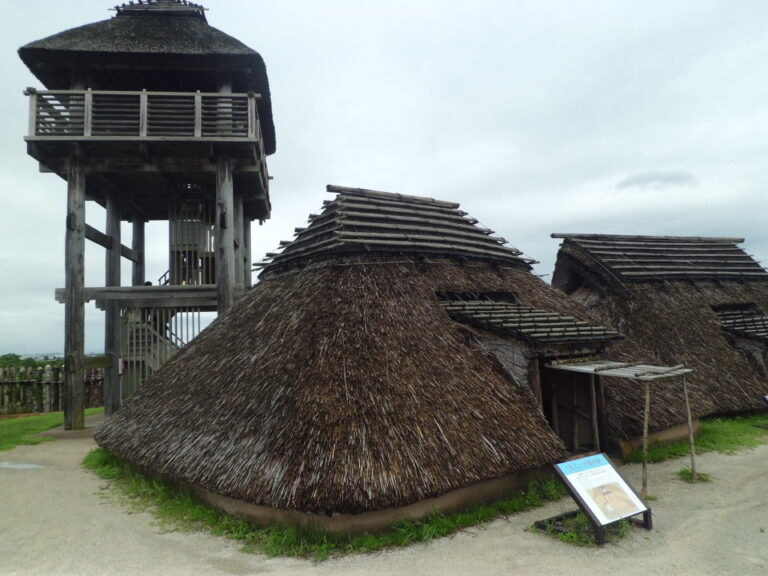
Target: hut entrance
[570, 403]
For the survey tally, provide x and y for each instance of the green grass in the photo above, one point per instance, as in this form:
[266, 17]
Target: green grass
[578, 530]
[717, 435]
[22, 430]
[686, 475]
[177, 509]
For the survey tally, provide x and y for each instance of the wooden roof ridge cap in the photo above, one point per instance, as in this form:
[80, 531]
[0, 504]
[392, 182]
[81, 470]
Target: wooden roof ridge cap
[569, 236]
[381, 194]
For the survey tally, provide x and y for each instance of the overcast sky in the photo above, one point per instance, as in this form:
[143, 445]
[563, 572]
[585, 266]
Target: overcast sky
[644, 117]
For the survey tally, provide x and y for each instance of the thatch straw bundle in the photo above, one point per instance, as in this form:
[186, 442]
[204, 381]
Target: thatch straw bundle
[340, 389]
[674, 320]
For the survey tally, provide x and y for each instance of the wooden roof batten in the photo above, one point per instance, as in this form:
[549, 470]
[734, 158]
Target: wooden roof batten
[525, 322]
[366, 221]
[629, 259]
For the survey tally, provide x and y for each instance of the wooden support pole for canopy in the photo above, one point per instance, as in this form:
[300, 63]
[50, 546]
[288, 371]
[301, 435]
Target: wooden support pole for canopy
[593, 398]
[646, 417]
[690, 431]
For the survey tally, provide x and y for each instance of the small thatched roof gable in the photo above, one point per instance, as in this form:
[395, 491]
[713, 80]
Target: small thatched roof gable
[368, 221]
[631, 259]
[745, 321]
[527, 323]
[143, 46]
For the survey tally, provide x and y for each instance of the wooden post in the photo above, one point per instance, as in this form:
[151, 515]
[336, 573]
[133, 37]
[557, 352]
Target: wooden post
[112, 310]
[239, 251]
[690, 431]
[534, 380]
[575, 415]
[646, 417]
[247, 253]
[593, 398]
[553, 408]
[74, 307]
[602, 411]
[225, 241]
[137, 244]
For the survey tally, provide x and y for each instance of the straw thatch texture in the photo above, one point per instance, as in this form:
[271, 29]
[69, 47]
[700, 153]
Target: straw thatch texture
[340, 389]
[153, 49]
[675, 320]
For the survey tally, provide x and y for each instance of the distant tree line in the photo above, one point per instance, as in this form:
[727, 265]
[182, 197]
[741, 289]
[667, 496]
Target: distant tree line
[16, 361]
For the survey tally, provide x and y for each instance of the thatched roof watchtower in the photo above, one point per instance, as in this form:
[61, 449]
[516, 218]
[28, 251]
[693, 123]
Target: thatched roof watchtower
[154, 115]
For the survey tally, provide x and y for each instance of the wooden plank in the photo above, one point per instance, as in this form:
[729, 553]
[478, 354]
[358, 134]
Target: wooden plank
[74, 311]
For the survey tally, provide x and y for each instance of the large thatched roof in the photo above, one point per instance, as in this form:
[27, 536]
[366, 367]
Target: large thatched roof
[673, 305]
[158, 45]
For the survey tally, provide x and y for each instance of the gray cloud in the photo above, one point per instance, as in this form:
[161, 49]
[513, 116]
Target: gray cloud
[658, 179]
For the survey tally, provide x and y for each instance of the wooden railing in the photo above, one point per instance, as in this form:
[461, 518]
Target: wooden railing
[112, 115]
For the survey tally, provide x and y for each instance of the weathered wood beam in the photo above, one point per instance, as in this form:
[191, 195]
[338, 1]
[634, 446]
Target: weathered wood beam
[138, 270]
[224, 234]
[74, 311]
[112, 311]
[130, 295]
[105, 241]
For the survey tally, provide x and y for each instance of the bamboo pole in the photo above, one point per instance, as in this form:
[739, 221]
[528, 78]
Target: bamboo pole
[690, 431]
[646, 417]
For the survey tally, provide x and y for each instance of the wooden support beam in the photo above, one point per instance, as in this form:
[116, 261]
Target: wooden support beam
[224, 234]
[247, 266]
[105, 241]
[238, 241]
[74, 311]
[150, 296]
[112, 311]
[593, 402]
[138, 276]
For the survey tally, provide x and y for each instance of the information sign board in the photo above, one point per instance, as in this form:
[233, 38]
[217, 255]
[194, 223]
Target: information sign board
[601, 488]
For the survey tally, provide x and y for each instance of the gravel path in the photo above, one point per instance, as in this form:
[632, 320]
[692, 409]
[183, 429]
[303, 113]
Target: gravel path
[58, 519]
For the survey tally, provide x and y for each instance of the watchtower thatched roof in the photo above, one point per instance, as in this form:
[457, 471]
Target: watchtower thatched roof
[164, 45]
[684, 298]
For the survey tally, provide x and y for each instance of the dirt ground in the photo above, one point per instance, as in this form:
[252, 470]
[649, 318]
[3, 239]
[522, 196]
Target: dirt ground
[58, 519]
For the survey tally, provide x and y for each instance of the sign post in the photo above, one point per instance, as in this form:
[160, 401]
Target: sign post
[602, 493]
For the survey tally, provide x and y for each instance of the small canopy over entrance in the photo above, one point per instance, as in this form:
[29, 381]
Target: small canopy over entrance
[644, 372]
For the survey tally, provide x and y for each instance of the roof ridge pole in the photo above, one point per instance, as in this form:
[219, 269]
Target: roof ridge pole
[74, 306]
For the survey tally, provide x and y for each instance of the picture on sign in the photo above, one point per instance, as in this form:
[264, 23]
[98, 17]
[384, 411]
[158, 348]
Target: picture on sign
[601, 488]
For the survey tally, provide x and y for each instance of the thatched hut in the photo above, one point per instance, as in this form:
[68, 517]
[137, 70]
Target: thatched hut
[697, 301]
[391, 362]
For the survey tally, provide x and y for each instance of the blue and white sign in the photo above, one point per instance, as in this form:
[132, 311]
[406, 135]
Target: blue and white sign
[601, 488]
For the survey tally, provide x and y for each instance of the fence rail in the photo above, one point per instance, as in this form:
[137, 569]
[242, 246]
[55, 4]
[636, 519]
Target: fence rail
[57, 114]
[30, 390]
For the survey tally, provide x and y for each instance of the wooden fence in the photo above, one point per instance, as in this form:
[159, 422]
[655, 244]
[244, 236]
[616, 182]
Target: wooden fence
[30, 390]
